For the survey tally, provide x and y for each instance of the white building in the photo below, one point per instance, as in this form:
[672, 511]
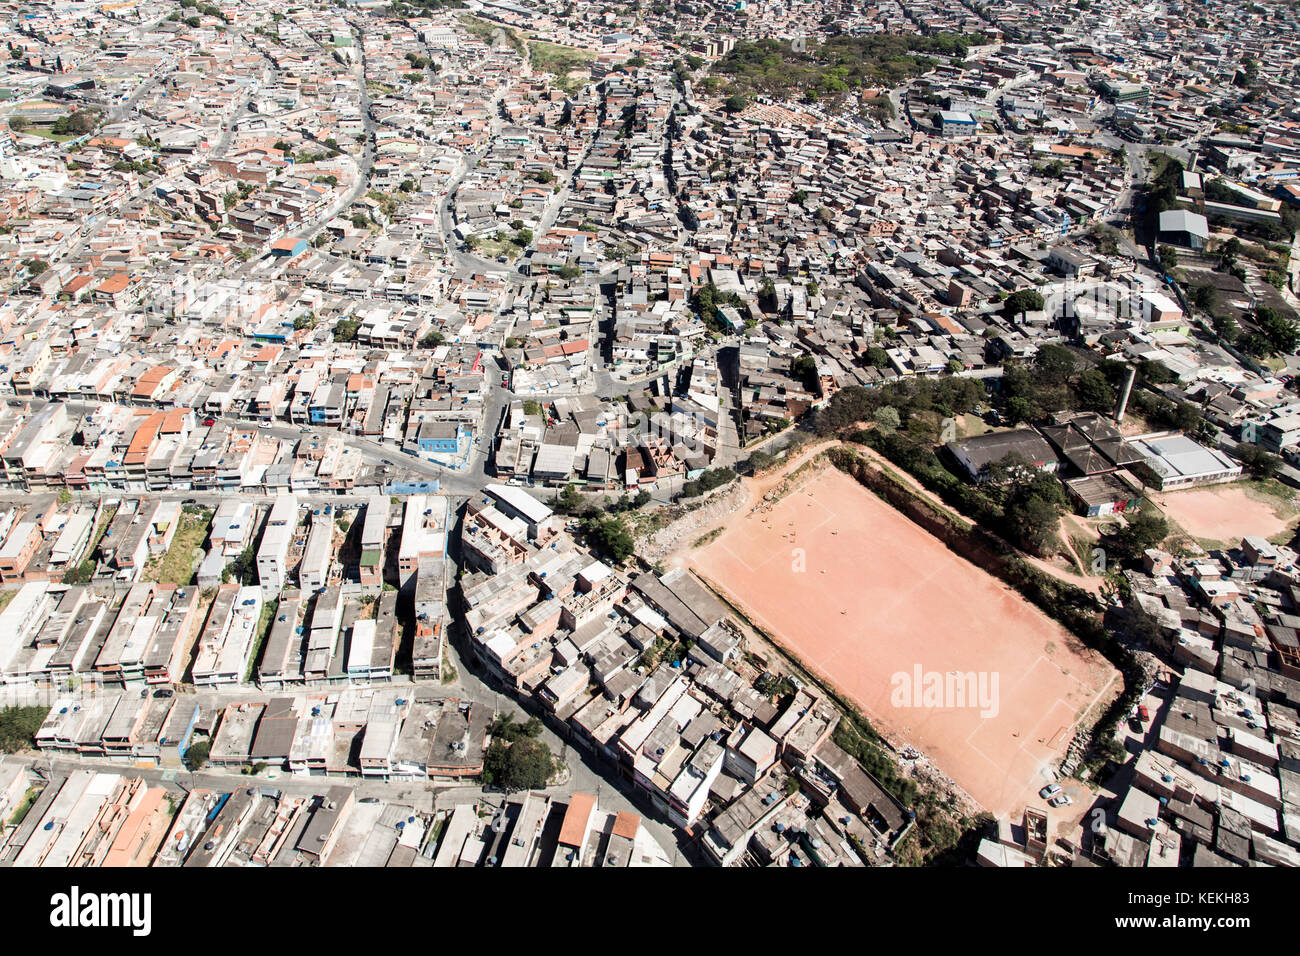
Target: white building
[274, 549]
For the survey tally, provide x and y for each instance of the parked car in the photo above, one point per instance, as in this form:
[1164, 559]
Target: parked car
[209, 422]
[1143, 714]
[263, 424]
[1050, 790]
[1060, 800]
[164, 692]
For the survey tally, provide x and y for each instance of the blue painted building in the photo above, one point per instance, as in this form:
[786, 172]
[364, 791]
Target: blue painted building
[443, 439]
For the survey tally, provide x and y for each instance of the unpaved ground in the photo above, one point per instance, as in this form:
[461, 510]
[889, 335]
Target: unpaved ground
[862, 595]
[1227, 513]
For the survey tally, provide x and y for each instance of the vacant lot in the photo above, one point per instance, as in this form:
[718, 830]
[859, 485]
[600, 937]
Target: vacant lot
[560, 60]
[860, 594]
[177, 566]
[1225, 514]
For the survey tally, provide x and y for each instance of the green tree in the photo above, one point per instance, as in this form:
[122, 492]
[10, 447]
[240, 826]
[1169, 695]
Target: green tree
[887, 419]
[1257, 461]
[243, 569]
[1142, 531]
[1019, 409]
[505, 728]
[19, 726]
[804, 369]
[1155, 372]
[1225, 326]
[570, 501]
[1026, 300]
[345, 330]
[1032, 510]
[1054, 363]
[196, 755]
[525, 764]
[609, 535]
[877, 357]
[1094, 391]
[1280, 332]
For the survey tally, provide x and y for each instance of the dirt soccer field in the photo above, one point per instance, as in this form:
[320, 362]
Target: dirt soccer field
[1228, 513]
[878, 597]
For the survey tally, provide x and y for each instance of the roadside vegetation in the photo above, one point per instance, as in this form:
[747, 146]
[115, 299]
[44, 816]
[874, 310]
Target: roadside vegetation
[516, 759]
[19, 726]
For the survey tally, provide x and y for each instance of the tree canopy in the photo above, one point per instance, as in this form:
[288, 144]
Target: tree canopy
[524, 764]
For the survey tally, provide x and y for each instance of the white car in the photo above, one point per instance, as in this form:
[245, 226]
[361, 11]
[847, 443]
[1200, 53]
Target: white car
[263, 424]
[1060, 800]
[1051, 790]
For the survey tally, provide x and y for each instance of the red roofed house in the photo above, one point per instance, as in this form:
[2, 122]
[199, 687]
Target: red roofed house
[575, 831]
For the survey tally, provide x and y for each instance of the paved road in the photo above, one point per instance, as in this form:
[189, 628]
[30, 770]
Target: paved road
[367, 160]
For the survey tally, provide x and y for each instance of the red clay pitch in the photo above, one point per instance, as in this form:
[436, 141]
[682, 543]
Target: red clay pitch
[878, 596]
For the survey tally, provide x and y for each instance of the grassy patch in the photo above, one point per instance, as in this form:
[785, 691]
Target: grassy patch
[560, 60]
[20, 812]
[859, 740]
[177, 565]
[18, 727]
[1157, 161]
[1082, 548]
[704, 539]
[269, 610]
[47, 134]
[449, 673]
[435, 831]
[485, 30]
[83, 572]
[1274, 493]
[6, 597]
[839, 65]
[491, 248]
[663, 650]
[973, 425]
